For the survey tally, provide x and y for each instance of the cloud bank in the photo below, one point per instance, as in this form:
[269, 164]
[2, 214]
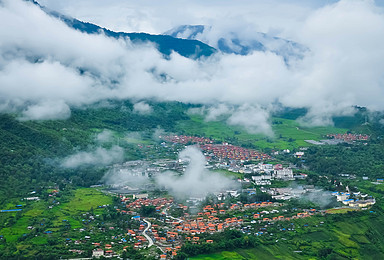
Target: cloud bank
[46, 68]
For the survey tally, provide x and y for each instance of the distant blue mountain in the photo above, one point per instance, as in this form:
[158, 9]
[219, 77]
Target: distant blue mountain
[232, 43]
[190, 48]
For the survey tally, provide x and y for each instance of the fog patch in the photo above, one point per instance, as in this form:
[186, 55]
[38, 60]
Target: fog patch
[254, 119]
[214, 113]
[322, 116]
[319, 197]
[106, 136]
[142, 108]
[196, 181]
[47, 110]
[316, 195]
[196, 111]
[125, 177]
[158, 134]
[98, 157]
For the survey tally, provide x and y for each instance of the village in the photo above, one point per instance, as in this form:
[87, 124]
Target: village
[152, 221]
[169, 233]
[173, 223]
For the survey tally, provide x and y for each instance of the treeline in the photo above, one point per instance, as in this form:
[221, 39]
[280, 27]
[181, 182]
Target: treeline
[227, 240]
[361, 160]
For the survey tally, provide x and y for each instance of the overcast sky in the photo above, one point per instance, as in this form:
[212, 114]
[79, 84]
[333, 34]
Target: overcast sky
[343, 66]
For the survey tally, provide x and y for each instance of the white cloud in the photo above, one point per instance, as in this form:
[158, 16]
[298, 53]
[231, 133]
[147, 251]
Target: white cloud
[215, 112]
[196, 180]
[105, 136]
[41, 60]
[98, 157]
[142, 108]
[46, 110]
[254, 119]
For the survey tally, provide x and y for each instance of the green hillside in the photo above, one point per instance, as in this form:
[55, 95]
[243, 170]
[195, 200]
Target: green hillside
[287, 133]
[354, 235]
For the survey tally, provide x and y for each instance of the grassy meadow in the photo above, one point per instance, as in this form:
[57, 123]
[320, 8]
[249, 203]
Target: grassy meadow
[287, 134]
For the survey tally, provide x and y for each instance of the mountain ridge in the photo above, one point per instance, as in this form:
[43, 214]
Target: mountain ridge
[165, 44]
[232, 43]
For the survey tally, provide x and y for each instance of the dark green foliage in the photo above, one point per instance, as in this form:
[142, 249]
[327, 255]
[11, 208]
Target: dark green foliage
[362, 160]
[31, 151]
[148, 211]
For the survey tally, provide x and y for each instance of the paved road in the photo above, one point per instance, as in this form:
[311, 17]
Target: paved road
[150, 241]
[169, 216]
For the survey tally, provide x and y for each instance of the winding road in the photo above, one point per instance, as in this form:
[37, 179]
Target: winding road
[150, 241]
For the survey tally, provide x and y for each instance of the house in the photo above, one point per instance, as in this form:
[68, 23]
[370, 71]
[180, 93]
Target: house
[32, 198]
[97, 253]
[342, 196]
[365, 203]
[141, 196]
[348, 201]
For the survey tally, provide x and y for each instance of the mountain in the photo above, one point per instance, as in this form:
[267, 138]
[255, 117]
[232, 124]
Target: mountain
[166, 44]
[232, 42]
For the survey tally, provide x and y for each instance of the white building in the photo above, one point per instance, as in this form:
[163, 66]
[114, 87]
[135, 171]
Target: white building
[342, 196]
[97, 253]
[285, 174]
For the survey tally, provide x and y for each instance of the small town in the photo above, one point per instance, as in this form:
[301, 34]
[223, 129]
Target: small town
[168, 223]
[273, 200]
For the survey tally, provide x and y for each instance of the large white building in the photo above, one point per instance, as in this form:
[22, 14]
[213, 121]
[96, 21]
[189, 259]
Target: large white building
[284, 174]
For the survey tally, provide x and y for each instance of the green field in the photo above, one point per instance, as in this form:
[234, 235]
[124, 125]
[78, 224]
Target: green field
[288, 134]
[79, 201]
[339, 211]
[281, 251]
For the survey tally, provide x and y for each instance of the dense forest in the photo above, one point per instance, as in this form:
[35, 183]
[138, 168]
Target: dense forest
[31, 151]
[360, 158]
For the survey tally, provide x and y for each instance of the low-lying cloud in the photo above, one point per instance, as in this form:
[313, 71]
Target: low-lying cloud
[46, 110]
[105, 136]
[46, 68]
[142, 108]
[98, 157]
[196, 181]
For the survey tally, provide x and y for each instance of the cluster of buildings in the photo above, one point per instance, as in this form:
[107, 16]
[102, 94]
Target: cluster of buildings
[134, 206]
[349, 137]
[267, 172]
[231, 152]
[184, 139]
[355, 199]
[222, 151]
